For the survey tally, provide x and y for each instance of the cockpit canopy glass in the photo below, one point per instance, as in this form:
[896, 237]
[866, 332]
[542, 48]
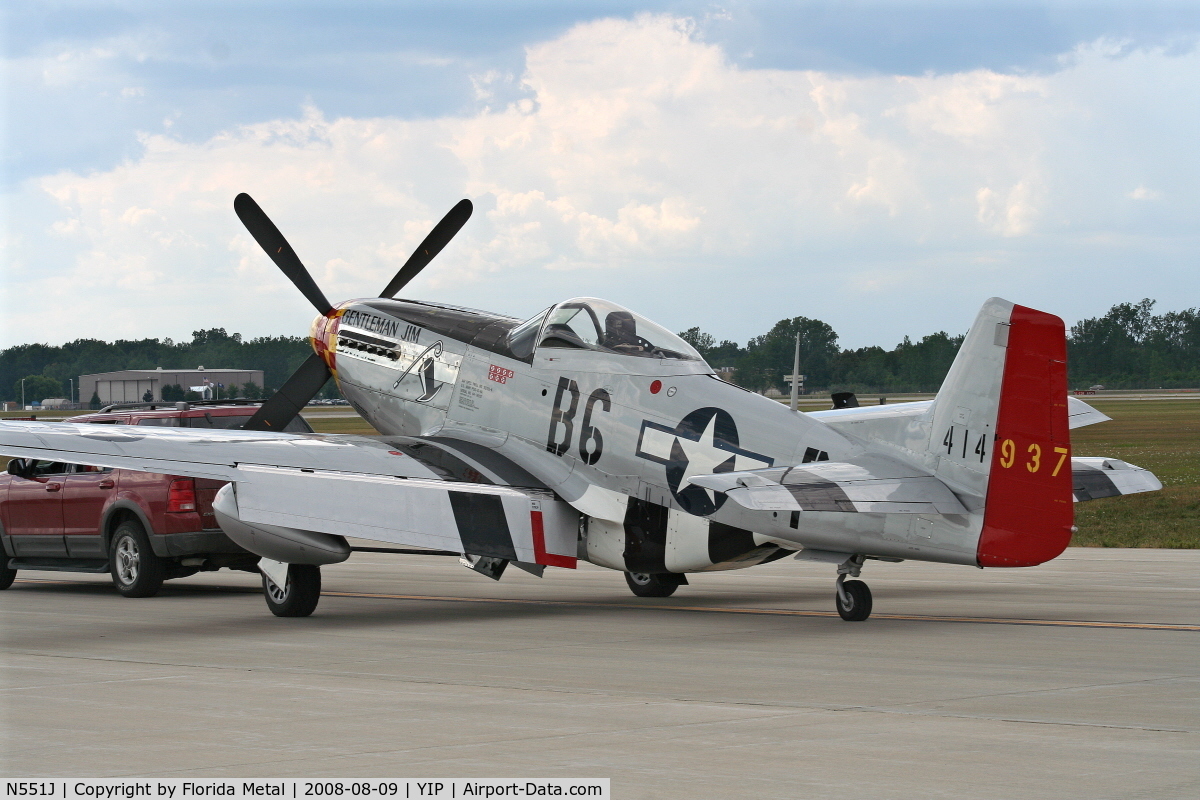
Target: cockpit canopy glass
[522, 338]
[590, 324]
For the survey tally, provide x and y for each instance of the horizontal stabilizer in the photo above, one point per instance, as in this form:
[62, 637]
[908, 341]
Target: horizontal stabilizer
[868, 485]
[1079, 413]
[1094, 478]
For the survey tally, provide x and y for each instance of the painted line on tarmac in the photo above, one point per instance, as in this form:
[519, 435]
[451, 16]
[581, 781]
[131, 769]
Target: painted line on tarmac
[1053, 623]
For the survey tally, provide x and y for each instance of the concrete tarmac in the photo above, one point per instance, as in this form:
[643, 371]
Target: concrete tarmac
[1076, 679]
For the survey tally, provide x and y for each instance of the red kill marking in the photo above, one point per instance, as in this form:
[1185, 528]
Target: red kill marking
[499, 374]
[656, 387]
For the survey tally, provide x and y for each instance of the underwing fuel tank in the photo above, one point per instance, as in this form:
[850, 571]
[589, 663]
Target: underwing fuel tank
[289, 545]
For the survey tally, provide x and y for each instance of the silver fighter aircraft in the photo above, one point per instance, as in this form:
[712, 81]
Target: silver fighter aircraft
[590, 433]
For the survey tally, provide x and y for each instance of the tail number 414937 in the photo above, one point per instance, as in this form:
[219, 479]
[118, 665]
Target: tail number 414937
[959, 442]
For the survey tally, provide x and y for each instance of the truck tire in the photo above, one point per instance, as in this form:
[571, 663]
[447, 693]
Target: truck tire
[7, 573]
[299, 597]
[136, 571]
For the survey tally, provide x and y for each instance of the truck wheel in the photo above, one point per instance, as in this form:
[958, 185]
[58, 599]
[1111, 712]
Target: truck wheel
[646, 584]
[7, 574]
[136, 571]
[299, 597]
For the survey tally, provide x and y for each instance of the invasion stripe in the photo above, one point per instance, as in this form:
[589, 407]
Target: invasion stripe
[482, 526]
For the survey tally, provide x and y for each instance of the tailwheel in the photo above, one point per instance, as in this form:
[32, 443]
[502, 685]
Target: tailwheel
[853, 599]
[300, 593]
[649, 584]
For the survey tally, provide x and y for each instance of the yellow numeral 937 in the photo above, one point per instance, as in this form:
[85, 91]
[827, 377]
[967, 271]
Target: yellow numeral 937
[1033, 462]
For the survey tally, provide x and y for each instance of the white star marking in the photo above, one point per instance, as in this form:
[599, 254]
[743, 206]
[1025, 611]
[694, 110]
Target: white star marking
[704, 456]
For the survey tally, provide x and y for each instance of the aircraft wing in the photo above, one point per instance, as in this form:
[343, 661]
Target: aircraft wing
[870, 484]
[331, 484]
[201, 452]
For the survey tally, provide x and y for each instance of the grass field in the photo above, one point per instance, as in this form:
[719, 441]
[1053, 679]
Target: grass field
[1164, 437]
[1161, 435]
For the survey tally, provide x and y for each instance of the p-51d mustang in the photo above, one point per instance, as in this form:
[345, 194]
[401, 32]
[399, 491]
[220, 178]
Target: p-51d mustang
[589, 432]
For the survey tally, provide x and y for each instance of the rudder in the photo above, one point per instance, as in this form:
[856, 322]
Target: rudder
[1029, 513]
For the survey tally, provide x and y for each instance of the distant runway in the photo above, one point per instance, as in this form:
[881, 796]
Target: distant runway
[1077, 679]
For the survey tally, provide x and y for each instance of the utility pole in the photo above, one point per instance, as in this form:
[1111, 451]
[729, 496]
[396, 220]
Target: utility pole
[796, 377]
[71, 392]
[22, 394]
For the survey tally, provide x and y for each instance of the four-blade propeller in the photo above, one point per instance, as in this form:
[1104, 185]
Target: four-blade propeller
[304, 384]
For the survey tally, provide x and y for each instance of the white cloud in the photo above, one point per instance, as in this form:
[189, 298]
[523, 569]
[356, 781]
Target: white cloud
[644, 165]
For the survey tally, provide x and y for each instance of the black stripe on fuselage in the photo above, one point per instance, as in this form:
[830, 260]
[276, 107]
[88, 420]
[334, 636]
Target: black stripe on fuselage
[726, 542]
[482, 525]
[645, 536]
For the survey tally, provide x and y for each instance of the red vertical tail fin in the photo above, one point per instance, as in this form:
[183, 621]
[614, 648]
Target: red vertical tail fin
[1029, 512]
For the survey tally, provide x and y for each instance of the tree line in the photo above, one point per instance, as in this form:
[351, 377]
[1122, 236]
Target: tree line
[47, 369]
[1130, 347]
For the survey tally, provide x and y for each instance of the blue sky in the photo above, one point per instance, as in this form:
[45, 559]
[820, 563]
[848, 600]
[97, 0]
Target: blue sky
[882, 166]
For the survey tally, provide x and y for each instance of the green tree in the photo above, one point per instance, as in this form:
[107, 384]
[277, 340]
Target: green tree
[698, 339]
[38, 388]
[769, 357]
[1131, 347]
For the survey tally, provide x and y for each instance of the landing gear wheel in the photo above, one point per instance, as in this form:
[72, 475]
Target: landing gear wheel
[647, 584]
[7, 574]
[136, 571]
[298, 598]
[853, 600]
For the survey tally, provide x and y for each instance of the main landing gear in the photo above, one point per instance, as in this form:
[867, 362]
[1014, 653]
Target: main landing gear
[853, 597]
[651, 584]
[291, 590]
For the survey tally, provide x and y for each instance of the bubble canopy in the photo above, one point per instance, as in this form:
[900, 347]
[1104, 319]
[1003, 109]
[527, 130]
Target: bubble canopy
[588, 323]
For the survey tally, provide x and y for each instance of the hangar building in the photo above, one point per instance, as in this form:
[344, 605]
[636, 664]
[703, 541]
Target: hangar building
[131, 385]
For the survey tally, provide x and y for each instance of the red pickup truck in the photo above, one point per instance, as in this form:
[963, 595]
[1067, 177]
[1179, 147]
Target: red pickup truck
[141, 527]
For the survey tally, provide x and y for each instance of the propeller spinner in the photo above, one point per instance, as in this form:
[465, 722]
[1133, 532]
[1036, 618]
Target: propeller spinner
[304, 384]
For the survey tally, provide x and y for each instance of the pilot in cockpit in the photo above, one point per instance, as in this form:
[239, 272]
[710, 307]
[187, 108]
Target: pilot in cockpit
[620, 333]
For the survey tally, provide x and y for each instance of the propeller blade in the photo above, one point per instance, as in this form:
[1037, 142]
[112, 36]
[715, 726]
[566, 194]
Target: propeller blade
[277, 247]
[285, 404]
[438, 238]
